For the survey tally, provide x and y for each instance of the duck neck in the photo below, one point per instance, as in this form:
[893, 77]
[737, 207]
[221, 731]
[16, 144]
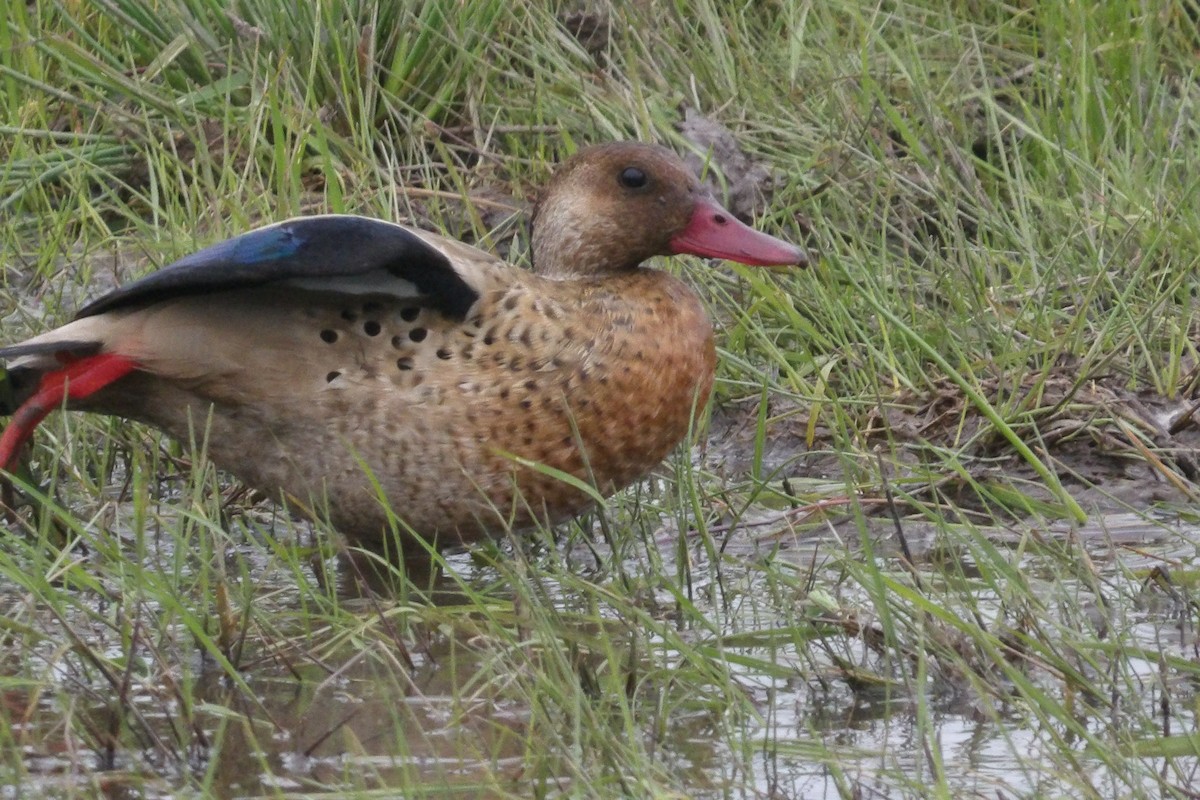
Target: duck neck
[566, 244]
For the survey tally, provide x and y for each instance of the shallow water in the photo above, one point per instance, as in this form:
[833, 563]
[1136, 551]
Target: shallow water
[316, 715]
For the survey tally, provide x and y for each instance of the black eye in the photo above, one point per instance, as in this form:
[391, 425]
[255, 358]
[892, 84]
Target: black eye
[632, 178]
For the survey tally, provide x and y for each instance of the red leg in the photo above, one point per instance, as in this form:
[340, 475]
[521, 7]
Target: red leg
[79, 378]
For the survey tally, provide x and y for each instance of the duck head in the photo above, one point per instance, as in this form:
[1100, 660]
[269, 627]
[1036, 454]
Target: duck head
[611, 207]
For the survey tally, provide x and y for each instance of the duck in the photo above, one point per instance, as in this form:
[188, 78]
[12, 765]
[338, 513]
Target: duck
[394, 381]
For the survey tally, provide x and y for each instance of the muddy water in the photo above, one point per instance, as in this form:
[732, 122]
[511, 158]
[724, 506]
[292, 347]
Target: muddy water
[356, 716]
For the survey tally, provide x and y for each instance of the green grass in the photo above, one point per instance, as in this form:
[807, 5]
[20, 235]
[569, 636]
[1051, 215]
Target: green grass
[871, 574]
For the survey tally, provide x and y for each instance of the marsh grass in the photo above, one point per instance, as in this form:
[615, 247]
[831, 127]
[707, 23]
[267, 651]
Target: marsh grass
[870, 574]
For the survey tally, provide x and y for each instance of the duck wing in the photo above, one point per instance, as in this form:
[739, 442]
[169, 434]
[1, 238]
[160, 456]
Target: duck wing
[336, 253]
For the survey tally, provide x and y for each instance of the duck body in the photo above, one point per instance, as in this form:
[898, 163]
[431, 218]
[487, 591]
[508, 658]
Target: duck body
[388, 378]
[435, 410]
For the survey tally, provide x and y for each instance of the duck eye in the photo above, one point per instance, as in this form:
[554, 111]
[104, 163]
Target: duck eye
[632, 178]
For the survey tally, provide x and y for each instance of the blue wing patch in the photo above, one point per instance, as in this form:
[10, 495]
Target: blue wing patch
[270, 244]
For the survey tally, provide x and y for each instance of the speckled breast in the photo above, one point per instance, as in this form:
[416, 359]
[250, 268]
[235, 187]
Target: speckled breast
[598, 380]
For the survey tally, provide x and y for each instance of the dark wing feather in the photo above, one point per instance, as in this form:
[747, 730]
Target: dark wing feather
[307, 249]
[78, 349]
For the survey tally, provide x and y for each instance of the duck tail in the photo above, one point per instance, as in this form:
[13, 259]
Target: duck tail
[57, 372]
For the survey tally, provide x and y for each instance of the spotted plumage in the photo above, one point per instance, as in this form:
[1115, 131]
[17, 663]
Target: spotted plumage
[361, 368]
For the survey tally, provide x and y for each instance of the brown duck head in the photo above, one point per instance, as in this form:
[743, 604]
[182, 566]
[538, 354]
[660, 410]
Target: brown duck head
[611, 207]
